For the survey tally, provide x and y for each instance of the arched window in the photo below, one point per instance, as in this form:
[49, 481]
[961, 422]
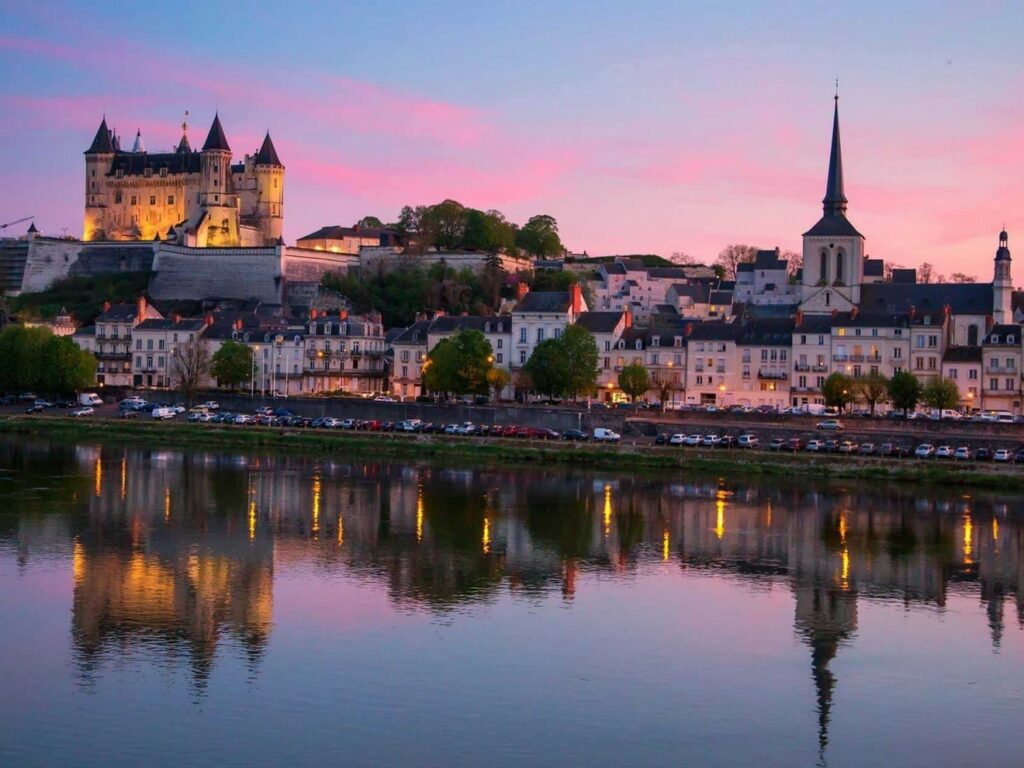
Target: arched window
[839, 266]
[972, 335]
[823, 272]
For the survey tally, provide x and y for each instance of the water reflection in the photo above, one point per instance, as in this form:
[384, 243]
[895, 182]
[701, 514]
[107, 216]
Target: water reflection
[179, 550]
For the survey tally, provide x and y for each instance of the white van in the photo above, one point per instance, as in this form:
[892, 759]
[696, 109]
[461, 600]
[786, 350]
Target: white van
[164, 413]
[89, 399]
[603, 435]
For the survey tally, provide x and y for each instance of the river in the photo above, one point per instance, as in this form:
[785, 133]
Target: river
[167, 608]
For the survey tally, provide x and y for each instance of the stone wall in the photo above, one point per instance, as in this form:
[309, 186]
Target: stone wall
[229, 273]
[306, 265]
[374, 260]
[48, 260]
[109, 258]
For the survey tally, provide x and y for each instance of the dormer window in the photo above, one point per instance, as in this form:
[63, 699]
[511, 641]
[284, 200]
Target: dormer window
[1011, 339]
[995, 339]
[487, 327]
[148, 172]
[622, 344]
[119, 173]
[163, 173]
[639, 344]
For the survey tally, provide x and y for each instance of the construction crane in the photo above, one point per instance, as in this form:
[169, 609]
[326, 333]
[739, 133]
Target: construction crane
[16, 221]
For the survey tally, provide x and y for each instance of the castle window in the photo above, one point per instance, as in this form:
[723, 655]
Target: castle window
[94, 173]
[163, 172]
[216, 182]
[216, 198]
[117, 196]
[152, 199]
[823, 274]
[148, 172]
[135, 200]
[93, 184]
[170, 199]
[119, 173]
[839, 267]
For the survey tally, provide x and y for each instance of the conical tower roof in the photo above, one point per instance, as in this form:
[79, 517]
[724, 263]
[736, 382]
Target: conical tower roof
[835, 195]
[267, 154]
[138, 146]
[103, 141]
[216, 139]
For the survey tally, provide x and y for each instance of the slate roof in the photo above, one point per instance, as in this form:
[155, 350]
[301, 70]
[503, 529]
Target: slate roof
[136, 163]
[810, 324]
[599, 322]
[667, 273]
[615, 268]
[632, 335]
[766, 332]
[714, 331]
[544, 301]
[904, 276]
[482, 323]
[695, 291]
[833, 226]
[962, 355]
[1001, 332]
[216, 139]
[267, 154]
[415, 334]
[169, 324]
[119, 313]
[337, 232]
[962, 298]
[719, 298]
[870, 320]
[103, 141]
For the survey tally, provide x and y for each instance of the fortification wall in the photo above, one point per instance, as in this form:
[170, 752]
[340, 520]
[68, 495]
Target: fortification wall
[47, 261]
[376, 259]
[306, 265]
[230, 273]
[108, 258]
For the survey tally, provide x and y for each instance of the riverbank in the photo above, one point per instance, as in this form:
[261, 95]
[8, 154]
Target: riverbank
[512, 451]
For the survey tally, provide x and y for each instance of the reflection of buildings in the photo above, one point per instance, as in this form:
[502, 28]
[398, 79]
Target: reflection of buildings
[180, 550]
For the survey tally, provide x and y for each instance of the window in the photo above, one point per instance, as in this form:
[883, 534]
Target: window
[501, 343]
[522, 357]
[1009, 385]
[138, 361]
[952, 373]
[933, 341]
[160, 361]
[839, 267]
[152, 199]
[823, 269]
[972, 374]
[170, 199]
[607, 345]
[540, 335]
[138, 343]
[828, 299]
[931, 363]
[522, 335]
[163, 172]
[499, 358]
[134, 200]
[149, 361]
[993, 384]
[117, 197]
[149, 344]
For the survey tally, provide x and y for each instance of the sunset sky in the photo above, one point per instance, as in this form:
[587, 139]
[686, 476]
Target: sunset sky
[642, 127]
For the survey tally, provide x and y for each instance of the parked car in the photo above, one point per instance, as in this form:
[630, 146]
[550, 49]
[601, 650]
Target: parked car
[794, 444]
[983, 454]
[211, 405]
[1002, 455]
[777, 444]
[944, 452]
[604, 435]
[1018, 456]
[924, 451]
[575, 435]
[847, 446]
[815, 446]
[661, 439]
[383, 399]
[710, 441]
[201, 417]
[677, 439]
[748, 441]
[963, 453]
[728, 441]
[34, 409]
[866, 449]
[693, 441]
[90, 399]
[85, 410]
[128, 414]
[163, 413]
[834, 424]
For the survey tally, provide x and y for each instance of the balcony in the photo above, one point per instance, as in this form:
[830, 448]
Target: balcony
[874, 358]
[840, 358]
[856, 358]
[802, 367]
[819, 368]
[772, 375]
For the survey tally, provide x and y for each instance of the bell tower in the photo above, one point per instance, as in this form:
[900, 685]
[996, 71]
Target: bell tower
[1002, 283]
[833, 248]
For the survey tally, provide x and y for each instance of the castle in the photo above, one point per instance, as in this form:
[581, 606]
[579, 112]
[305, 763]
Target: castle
[195, 198]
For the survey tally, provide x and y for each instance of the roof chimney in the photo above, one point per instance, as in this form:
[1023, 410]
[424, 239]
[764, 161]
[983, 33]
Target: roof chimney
[913, 311]
[521, 290]
[141, 308]
[106, 306]
[799, 318]
[176, 318]
[343, 314]
[835, 313]
[312, 314]
[689, 329]
[854, 312]
[628, 318]
[576, 296]
[209, 319]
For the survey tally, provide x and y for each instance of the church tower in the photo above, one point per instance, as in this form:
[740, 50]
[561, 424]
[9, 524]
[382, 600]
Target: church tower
[833, 248]
[1002, 283]
[269, 191]
[98, 160]
[218, 225]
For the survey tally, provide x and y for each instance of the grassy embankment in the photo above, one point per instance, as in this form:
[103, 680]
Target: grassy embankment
[488, 450]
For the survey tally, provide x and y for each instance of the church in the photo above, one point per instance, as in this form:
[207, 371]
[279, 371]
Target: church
[196, 198]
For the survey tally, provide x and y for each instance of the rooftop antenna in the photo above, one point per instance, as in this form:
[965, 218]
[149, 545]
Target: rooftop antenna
[837, 89]
[184, 124]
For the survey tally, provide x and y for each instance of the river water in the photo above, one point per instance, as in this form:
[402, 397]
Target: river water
[168, 608]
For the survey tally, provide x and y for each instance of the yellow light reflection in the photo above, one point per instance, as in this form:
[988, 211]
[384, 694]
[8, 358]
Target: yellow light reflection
[845, 578]
[995, 529]
[968, 537]
[419, 515]
[252, 518]
[842, 527]
[486, 538]
[607, 510]
[720, 518]
[768, 521]
[665, 545]
[167, 504]
[316, 506]
[98, 478]
[341, 529]
[124, 477]
[78, 561]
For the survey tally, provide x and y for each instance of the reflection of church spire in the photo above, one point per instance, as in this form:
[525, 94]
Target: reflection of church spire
[994, 608]
[825, 617]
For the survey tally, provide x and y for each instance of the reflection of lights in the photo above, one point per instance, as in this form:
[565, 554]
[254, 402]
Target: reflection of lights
[842, 527]
[341, 529]
[252, 518]
[316, 506]
[124, 477]
[607, 510]
[995, 529]
[768, 520]
[98, 478]
[486, 538]
[720, 518]
[78, 561]
[968, 536]
[845, 578]
[664, 545]
[419, 515]
[167, 504]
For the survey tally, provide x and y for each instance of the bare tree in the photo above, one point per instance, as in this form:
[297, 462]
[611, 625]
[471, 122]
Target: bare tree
[733, 255]
[190, 363]
[682, 258]
[889, 267]
[960, 277]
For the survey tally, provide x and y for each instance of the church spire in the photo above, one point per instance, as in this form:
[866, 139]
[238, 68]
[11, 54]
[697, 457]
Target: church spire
[834, 203]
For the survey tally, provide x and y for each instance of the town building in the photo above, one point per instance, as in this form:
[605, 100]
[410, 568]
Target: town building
[112, 340]
[1002, 358]
[345, 354]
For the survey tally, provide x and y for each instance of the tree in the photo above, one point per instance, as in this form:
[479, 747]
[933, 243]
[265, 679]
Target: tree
[67, 368]
[960, 277]
[888, 268]
[839, 391]
[497, 380]
[579, 350]
[447, 221]
[190, 363]
[539, 237]
[666, 384]
[926, 274]
[904, 391]
[730, 257]
[940, 393]
[682, 258]
[548, 369]
[872, 389]
[634, 381]
[794, 263]
[232, 364]
[459, 364]
[370, 222]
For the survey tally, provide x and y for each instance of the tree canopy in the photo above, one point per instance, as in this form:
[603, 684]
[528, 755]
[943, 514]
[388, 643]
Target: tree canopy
[634, 380]
[872, 389]
[231, 365]
[565, 366]
[35, 359]
[940, 393]
[539, 237]
[459, 364]
[904, 391]
[839, 391]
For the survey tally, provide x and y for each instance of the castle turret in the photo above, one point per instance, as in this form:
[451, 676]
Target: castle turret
[219, 208]
[138, 146]
[269, 191]
[1002, 283]
[98, 159]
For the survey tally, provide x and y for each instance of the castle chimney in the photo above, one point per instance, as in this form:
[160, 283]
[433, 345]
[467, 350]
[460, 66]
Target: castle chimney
[140, 308]
[576, 296]
[106, 306]
[521, 290]
[799, 318]
[343, 314]
[835, 313]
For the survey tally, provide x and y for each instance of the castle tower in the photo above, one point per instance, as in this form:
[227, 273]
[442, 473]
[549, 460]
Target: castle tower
[218, 224]
[1002, 283]
[833, 248]
[269, 191]
[98, 159]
